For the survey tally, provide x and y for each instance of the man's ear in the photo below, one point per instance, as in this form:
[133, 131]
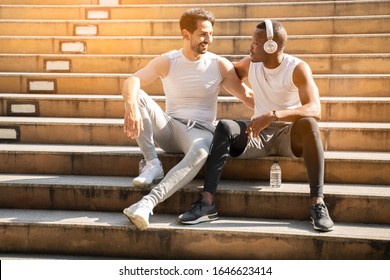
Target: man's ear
[185, 34]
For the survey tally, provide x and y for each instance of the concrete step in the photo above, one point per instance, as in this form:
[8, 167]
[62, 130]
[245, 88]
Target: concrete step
[351, 109]
[110, 234]
[106, 84]
[336, 136]
[340, 167]
[127, 2]
[52, 2]
[86, 63]
[334, 109]
[223, 27]
[174, 11]
[72, 131]
[93, 171]
[346, 203]
[355, 136]
[155, 45]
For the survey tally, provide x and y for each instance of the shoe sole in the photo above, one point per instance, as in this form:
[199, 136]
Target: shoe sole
[320, 229]
[202, 219]
[143, 184]
[138, 221]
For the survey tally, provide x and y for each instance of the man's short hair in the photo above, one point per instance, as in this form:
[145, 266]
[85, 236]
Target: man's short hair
[280, 33]
[189, 20]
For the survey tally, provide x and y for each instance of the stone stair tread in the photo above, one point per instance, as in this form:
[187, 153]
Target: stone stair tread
[354, 125]
[129, 3]
[303, 18]
[341, 166]
[52, 148]
[96, 2]
[235, 56]
[112, 97]
[330, 24]
[111, 83]
[356, 99]
[108, 130]
[65, 121]
[92, 97]
[247, 186]
[172, 37]
[356, 155]
[119, 121]
[125, 75]
[106, 149]
[38, 74]
[108, 220]
[338, 43]
[370, 63]
[326, 7]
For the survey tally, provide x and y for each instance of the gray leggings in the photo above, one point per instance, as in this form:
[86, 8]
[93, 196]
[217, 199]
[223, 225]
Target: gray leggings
[173, 136]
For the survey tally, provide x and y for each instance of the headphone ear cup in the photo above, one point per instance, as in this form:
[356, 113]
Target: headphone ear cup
[270, 46]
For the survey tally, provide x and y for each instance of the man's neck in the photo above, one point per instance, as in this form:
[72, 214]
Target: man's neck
[191, 55]
[274, 61]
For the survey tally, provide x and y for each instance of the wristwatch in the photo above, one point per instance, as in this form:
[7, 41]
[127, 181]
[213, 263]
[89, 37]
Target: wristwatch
[275, 114]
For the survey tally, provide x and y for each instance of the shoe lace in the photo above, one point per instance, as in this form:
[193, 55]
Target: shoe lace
[145, 205]
[149, 169]
[320, 210]
[142, 165]
[196, 206]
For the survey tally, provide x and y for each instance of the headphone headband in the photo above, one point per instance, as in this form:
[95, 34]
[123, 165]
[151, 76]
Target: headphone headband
[270, 46]
[269, 29]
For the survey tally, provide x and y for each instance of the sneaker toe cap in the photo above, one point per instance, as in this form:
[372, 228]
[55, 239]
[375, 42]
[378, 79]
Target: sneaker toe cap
[187, 217]
[325, 224]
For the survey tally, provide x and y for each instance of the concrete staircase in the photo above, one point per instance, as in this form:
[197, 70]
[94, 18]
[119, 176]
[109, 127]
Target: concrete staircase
[66, 166]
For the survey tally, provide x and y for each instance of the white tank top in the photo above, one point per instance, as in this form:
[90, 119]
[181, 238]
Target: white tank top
[192, 87]
[274, 89]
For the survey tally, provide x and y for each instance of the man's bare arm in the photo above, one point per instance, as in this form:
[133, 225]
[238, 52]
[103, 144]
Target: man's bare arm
[309, 97]
[234, 85]
[156, 68]
[242, 68]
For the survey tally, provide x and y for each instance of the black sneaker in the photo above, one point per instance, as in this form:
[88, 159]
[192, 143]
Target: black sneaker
[199, 212]
[320, 219]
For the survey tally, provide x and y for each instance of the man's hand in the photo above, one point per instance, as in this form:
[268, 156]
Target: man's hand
[259, 123]
[133, 123]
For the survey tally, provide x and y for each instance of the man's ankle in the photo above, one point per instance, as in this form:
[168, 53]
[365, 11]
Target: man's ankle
[208, 198]
[316, 200]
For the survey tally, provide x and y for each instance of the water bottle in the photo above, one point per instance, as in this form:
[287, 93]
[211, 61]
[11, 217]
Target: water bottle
[275, 176]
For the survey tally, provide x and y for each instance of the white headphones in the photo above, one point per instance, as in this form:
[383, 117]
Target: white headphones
[270, 46]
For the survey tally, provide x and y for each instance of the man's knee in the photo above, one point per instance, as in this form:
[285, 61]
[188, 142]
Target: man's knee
[142, 96]
[228, 128]
[199, 151]
[223, 127]
[306, 125]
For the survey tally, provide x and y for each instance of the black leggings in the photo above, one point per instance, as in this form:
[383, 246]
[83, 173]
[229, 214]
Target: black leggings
[230, 139]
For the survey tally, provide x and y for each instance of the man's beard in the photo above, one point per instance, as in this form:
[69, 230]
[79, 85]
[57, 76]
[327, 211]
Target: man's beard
[200, 48]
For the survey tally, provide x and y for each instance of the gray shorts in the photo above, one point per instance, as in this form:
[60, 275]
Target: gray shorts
[275, 140]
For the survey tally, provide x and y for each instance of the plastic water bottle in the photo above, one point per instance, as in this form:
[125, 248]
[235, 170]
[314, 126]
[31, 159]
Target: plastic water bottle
[275, 176]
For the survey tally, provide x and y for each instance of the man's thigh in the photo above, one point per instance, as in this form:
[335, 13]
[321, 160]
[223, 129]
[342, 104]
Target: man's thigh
[275, 140]
[176, 137]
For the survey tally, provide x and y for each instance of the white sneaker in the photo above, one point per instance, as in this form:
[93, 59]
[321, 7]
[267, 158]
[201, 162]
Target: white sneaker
[138, 213]
[141, 165]
[151, 173]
